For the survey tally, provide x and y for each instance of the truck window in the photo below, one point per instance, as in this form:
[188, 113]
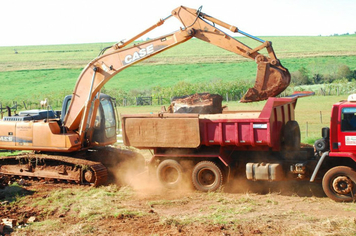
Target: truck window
[348, 119]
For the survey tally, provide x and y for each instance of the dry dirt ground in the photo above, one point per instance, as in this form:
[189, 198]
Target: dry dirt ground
[238, 209]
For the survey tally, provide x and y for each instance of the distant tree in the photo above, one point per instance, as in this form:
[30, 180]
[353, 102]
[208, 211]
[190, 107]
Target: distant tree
[318, 79]
[300, 77]
[344, 72]
[328, 78]
[353, 75]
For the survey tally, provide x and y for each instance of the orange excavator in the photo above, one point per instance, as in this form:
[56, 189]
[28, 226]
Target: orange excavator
[74, 144]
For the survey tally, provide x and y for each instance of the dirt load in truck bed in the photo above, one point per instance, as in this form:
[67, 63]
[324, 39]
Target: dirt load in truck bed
[201, 103]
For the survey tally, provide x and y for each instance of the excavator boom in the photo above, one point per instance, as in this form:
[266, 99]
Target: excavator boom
[272, 78]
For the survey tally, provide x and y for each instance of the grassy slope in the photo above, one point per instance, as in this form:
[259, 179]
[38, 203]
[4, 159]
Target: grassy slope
[191, 52]
[20, 85]
[40, 68]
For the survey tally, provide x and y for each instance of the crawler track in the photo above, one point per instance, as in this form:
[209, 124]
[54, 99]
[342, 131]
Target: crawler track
[54, 167]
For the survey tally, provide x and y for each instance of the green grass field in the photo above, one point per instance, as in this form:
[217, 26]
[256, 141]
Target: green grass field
[48, 70]
[51, 71]
[192, 52]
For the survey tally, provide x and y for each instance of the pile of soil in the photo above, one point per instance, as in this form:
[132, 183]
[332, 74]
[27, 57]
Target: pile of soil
[201, 103]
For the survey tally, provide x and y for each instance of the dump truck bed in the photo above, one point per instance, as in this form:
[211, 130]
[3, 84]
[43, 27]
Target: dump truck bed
[242, 129]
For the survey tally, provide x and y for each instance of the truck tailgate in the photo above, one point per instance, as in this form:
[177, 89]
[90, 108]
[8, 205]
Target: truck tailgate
[161, 130]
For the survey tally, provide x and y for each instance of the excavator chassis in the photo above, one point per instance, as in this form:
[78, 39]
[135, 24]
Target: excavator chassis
[93, 167]
[54, 167]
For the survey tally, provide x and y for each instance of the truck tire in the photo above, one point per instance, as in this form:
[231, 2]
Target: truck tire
[337, 184]
[291, 134]
[170, 174]
[207, 176]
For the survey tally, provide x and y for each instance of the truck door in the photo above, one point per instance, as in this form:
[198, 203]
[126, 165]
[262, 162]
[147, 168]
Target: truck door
[347, 130]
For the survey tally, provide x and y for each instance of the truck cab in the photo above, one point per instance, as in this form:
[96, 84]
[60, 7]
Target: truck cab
[343, 127]
[337, 150]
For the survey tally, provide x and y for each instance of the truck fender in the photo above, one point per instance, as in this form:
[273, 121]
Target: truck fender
[316, 170]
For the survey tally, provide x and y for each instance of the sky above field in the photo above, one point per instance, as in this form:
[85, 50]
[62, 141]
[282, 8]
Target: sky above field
[43, 22]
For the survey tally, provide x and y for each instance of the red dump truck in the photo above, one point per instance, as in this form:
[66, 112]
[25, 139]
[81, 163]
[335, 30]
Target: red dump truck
[208, 150]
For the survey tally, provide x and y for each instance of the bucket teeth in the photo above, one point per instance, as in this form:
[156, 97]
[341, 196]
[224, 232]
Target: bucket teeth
[270, 82]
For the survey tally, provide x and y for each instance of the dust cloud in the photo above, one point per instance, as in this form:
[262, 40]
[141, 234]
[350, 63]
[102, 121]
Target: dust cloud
[134, 171]
[146, 184]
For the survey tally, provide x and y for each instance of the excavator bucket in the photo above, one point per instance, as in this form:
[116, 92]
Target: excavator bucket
[270, 81]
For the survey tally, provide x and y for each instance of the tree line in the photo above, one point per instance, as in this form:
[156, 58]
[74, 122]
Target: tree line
[303, 77]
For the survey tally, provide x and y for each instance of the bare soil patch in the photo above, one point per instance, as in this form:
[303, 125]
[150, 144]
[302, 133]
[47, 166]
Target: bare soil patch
[238, 209]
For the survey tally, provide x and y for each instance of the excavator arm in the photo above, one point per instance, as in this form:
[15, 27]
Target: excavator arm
[272, 78]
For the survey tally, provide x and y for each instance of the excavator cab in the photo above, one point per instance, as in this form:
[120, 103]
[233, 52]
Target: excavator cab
[105, 121]
[104, 130]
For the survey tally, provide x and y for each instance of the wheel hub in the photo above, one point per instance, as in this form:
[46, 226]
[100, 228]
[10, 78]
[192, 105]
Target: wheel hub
[171, 175]
[342, 185]
[89, 176]
[206, 177]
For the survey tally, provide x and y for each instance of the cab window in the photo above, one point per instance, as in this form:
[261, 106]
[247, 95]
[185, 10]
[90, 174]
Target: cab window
[348, 119]
[110, 125]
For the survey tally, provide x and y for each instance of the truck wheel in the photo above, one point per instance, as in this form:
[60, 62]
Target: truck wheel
[337, 184]
[320, 145]
[170, 174]
[207, 176]
[291, 134]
